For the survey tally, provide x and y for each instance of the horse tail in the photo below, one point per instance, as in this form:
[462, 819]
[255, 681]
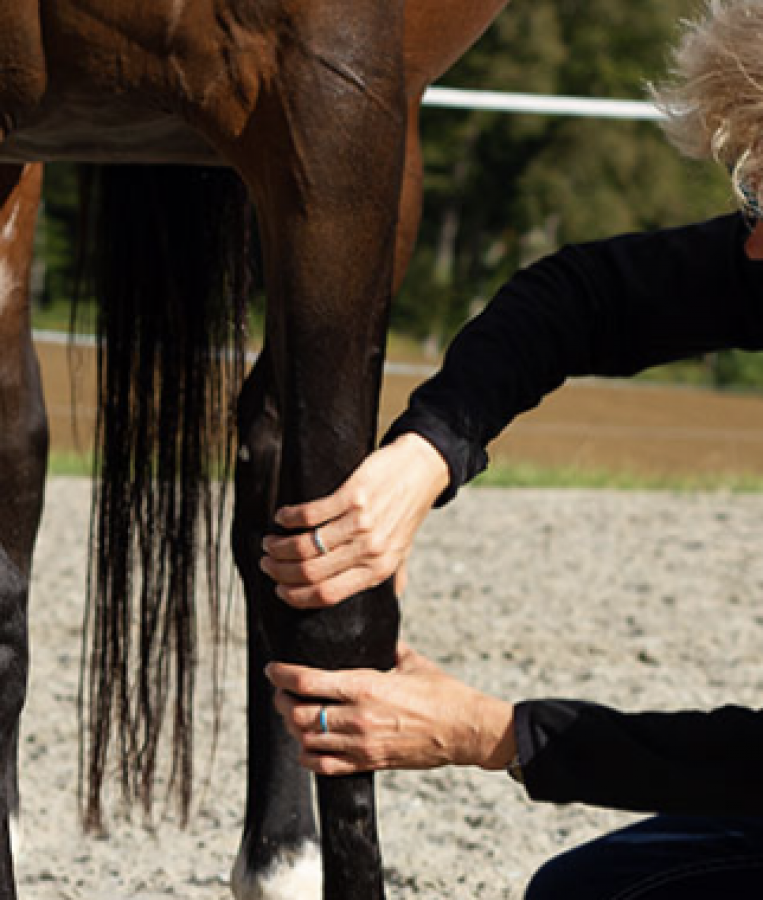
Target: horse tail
[168, 258]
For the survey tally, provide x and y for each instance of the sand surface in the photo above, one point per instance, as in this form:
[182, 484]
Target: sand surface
[641, 600]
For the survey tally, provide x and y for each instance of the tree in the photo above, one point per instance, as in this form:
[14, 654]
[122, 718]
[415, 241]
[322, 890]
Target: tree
[502, 189]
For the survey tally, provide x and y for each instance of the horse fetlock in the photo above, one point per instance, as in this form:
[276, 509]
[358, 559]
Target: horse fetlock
[14, 667]
[294, 874]
[14, 650]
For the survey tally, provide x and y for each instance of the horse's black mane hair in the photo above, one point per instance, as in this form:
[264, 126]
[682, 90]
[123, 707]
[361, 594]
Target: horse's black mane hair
[169, 261]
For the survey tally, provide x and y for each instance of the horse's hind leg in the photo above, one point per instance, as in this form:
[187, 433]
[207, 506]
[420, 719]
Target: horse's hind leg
[279, 856]
[324, 162]
[23, 457]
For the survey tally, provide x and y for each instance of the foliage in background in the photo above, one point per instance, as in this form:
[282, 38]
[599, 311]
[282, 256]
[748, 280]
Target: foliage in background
[56, 241]
[501, 190]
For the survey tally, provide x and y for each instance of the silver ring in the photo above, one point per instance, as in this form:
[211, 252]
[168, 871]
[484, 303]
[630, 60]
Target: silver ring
[319, 545]
[324, 720]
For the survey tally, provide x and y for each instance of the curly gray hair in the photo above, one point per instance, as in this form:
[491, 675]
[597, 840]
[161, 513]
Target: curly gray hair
[714, 100]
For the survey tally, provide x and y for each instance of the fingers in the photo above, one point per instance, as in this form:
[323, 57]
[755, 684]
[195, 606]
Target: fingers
[413, 716]
[304, 721]
[313, 566]
[340, 749]
[316, 512]
[308, 683]
[329, 592]
[366, 527]
[345, 747]
[306, 578]
[334, 533]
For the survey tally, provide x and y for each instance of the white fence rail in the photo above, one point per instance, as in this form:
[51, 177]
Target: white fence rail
[540, 104]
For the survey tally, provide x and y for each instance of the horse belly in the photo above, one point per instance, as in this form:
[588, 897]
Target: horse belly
[79, 132]
[194, 61]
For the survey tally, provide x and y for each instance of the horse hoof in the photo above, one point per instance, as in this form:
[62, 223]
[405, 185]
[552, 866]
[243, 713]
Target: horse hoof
[293, 875]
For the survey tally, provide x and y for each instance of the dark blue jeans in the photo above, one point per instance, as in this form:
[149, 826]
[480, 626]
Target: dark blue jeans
[662, 858]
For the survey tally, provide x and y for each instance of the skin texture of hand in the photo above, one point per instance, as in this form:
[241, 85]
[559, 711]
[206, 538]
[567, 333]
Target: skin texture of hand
[413, 717]
[367, 526]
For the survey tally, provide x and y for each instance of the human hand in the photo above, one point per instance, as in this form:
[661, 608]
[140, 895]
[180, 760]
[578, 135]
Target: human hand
[413, 717]
[367, 527]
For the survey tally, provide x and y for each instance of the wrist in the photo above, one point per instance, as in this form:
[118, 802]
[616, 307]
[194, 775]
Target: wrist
[500, 745]
[427, 459]
[490, 744]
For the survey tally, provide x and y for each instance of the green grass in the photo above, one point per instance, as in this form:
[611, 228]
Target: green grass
[70, 464]
[56, 316]
[530, 476]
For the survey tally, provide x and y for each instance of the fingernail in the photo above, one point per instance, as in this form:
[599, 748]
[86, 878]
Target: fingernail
[265, 544]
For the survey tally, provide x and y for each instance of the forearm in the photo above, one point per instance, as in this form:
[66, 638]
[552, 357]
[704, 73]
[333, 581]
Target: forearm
[683, 762]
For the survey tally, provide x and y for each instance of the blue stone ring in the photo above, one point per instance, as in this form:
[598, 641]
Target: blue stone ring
[323, 719]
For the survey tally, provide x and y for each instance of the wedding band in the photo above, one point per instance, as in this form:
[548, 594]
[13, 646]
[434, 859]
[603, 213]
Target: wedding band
[318, 541]
[324, 720]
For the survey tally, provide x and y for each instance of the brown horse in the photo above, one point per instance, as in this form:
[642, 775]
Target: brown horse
[314, 105]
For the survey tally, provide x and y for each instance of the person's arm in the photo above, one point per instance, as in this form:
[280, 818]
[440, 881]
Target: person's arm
[611, 307]
[608, 308]
[416, 716]
[674, 762]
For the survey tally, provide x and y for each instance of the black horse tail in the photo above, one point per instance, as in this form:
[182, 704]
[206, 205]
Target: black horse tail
[169, 262]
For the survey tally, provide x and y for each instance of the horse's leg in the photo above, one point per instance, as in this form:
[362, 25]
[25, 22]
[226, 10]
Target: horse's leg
[409, 213]
[23, 457]
[279, 855]
[436, 34]
[324, 161]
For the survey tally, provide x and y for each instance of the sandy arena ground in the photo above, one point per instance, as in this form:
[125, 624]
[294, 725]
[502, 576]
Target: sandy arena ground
[642, 600]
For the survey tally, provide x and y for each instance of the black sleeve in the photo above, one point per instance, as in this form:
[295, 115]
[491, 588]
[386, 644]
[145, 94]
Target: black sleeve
[684, 762]
[612, 307]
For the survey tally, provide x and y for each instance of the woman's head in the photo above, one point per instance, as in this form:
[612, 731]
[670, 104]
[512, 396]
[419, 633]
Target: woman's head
[714, 100]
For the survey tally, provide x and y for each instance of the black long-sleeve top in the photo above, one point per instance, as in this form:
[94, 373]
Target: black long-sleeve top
[613, 307]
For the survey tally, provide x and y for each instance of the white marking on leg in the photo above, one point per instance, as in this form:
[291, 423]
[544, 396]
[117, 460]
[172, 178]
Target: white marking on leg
[296, 875]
